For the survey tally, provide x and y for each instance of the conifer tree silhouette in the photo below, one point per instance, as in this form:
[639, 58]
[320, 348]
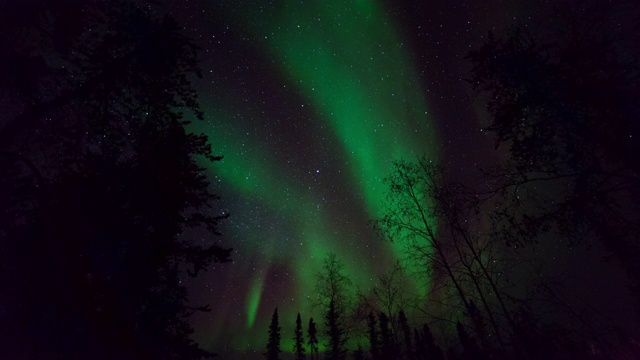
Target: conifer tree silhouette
[298, 346]
[312, 334]
[273, 344]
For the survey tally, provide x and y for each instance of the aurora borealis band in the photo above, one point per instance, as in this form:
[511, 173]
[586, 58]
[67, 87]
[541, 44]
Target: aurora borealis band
[359, 107]
[419, 177]
[309, 103]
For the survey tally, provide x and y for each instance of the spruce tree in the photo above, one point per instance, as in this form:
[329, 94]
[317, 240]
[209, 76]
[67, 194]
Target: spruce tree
[273, 345]
[298, 346]
[312, 333]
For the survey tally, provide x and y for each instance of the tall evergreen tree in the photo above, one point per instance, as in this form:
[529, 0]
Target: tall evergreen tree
[312, 333]
[373, 336]
[273, 345]
[298, 346]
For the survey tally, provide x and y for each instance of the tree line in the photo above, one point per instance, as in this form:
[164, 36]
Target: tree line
[385, 336]
[416, 343]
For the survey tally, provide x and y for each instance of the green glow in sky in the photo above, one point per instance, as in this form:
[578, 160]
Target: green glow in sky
[253, 301]
[347, 60]
[307, 221]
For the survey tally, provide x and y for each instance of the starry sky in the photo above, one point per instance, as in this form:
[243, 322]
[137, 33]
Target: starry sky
[310, 102]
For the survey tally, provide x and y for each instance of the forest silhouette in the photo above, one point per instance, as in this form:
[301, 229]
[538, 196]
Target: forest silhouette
[100, 184]
[102, 191]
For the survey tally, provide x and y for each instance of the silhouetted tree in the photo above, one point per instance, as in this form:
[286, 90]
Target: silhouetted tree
[411, 215]
[102, 228]
[406, 333]
[336, 337]
[298, 338]
[420, 197]
[429, 346]
[312, 334]
[334, 298]
[387, 343]
[333, 286]
[564, 103]
[273, 344]
[392, 293]
[374, 348]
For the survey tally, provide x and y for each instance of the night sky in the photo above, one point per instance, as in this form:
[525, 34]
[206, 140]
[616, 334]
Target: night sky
[310, 102]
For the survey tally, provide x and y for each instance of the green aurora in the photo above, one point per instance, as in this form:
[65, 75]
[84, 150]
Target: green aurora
[351, 65]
